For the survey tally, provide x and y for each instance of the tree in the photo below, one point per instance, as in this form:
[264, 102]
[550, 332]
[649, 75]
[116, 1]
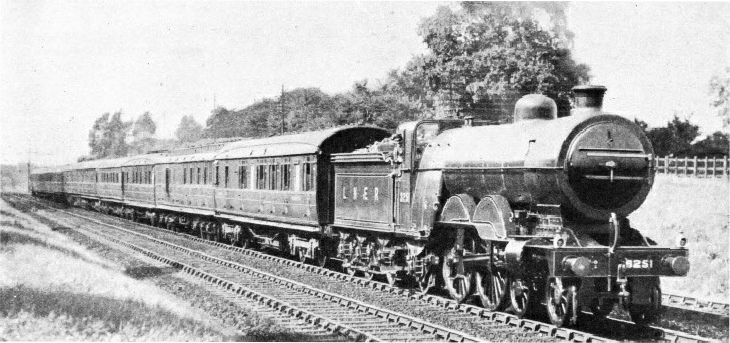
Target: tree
[143, 133]
[107, 137]
[98, 145]
[224, 123]
[117, 131]
[715, 145]
[144, 127]
[189, 130]
[485, 56]
[720, 93]
[674, 139]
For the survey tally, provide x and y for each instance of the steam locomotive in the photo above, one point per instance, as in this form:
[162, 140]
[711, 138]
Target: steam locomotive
[516, 217]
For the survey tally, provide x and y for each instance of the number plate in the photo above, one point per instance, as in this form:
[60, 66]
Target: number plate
[639, 264]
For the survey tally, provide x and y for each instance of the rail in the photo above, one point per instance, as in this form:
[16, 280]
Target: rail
[693, 166]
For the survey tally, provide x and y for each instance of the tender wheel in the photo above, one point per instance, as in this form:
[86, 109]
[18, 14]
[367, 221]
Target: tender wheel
[456, 282]
[519, 297]
[560, 301]
[644, 314]
[491, 288]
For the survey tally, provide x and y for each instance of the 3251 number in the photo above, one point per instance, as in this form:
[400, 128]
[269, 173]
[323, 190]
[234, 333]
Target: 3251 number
[639, 264]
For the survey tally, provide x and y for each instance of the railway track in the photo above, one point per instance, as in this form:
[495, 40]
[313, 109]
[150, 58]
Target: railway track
[697, 305]
[348, 317]
[492, 325]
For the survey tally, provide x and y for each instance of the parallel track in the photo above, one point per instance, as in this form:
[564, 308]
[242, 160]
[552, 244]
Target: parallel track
[501, 323]
[697, 305]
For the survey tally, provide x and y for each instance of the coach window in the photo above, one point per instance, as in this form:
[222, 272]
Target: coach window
[260, 176]
[242, 176]
[225, 177]
[198, 175]
[308, 178]
[272, 177]
[167, 180]
[185, 177]
[285, 177]
[205, 175]
[217, 177]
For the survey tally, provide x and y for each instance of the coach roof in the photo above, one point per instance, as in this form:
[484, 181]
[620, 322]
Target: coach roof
[144, 160]
[295, 144]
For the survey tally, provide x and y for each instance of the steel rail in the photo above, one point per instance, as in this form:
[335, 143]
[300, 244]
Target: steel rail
[398, 320]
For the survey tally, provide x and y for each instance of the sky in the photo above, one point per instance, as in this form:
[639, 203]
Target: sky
[65, 63]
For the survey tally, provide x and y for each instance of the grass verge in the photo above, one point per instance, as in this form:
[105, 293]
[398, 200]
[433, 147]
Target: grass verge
[698, 208]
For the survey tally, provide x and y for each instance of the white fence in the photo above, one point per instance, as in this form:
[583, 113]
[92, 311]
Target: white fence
[693, 166]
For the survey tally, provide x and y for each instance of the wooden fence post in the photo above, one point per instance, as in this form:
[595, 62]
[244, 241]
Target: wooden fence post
[706, 169]
[666, 164]
[714, 166]
[724, 167]
[686, 165]
[694, 171]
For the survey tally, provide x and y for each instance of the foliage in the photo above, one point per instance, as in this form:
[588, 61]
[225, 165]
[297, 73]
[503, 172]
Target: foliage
[144, 127]
[14, 178]
[189, 130]
[143, 133]
[485, 56]
[673, 139]
[107, 137]
[676, 139]
[307, 109]
[720, 92]
[716, 144]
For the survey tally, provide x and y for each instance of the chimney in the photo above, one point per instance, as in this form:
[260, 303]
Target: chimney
[587, 99]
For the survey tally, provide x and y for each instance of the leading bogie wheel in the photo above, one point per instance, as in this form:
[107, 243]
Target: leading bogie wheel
[456, 282]
[491, 288]
[519, 297]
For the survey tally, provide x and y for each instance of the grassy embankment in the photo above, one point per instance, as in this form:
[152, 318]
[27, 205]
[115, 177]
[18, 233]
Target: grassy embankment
[54, 289]
[700, 209]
